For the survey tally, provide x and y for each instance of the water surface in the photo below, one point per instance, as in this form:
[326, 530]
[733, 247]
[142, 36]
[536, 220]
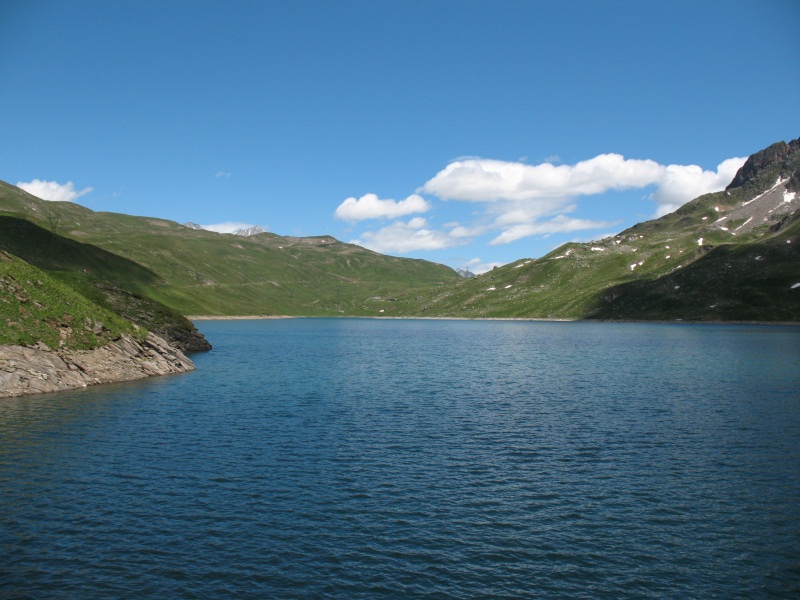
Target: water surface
[344, 458]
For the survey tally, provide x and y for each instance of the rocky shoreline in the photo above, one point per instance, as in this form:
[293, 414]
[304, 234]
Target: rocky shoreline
[25, 370]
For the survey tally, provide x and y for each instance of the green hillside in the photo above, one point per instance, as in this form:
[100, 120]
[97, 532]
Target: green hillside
[35, 307]
[201, 272]
[732, 255]
[113, 282]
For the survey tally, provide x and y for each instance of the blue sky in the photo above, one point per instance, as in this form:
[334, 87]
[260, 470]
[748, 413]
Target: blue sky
[467, 133]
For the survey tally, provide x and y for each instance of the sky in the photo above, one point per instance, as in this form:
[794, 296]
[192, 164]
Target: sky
[467, 133]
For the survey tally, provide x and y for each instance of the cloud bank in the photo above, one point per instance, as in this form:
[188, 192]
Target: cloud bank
[517, 200]
[485, 180]
[52, 190]
[369, 206]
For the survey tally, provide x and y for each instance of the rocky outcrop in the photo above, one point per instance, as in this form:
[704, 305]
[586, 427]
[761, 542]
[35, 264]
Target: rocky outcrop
[758, 161]
[39, 369]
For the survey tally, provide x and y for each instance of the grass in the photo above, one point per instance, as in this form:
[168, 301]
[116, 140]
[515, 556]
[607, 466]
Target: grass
[201, 272]
[35, 307]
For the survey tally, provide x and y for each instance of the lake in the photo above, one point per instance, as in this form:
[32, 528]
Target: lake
[357, 458]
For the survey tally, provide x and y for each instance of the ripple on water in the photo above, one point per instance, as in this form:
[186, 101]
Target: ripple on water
[354, 459]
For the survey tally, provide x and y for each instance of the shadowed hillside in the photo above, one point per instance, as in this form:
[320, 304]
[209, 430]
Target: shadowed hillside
[202, 272]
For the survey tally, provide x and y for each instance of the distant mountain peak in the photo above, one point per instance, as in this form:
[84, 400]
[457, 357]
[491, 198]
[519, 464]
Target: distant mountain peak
[249, 231]
[768, 157]
[244, 232]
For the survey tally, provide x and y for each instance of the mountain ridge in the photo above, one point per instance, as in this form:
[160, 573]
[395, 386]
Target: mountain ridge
[733, 231]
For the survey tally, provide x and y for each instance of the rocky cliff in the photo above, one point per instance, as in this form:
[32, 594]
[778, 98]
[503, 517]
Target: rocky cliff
[25, 370]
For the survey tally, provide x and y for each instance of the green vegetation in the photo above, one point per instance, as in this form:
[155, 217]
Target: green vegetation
[723, 256]
[681, 266]
[199, 272]
[106, 279]
[35, 307]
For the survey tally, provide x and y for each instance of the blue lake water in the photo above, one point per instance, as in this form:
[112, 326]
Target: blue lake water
[346, 458]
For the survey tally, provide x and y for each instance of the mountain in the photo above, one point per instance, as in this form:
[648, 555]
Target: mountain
[728, 256]
[197, 272]
[249, 231]
[244, 232]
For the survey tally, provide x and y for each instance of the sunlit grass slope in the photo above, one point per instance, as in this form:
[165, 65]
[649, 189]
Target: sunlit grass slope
[35, 307]
[707, 261]
[200, 272]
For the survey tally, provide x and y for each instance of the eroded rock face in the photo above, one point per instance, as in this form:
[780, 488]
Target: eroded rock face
[36, 370]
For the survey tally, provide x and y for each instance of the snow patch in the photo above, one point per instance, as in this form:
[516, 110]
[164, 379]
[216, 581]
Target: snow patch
[633, 266]
[795, 286]
[594, 249]
[743, 224]
[705, 218]
[700, 242]
[508, 286]
[789, 196]
[667, 257]
[778, 182]
[491, 289]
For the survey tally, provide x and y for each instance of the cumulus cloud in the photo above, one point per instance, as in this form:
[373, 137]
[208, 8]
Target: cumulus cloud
[517, 200]
[369, 206]
[407, 236]
[227, 226]
[485, 180]
[559, 224]
[680, 183]
[52, 190]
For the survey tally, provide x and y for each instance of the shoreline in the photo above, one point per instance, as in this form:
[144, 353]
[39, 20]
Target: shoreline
[236, 317]
[534, 319]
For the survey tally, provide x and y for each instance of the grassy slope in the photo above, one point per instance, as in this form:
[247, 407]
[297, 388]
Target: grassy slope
[654, 270]
[113, 282]
[719, 279]
[200, 272]
[35, 307]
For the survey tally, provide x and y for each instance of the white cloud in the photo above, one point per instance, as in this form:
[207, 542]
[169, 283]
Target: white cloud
[483, 180]
[518, 200]
[222, 174]
[680, 183]
[52, 190]
[227, 226]
[407, 236]
[476, 266]
[559, 224]
[369, 206]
